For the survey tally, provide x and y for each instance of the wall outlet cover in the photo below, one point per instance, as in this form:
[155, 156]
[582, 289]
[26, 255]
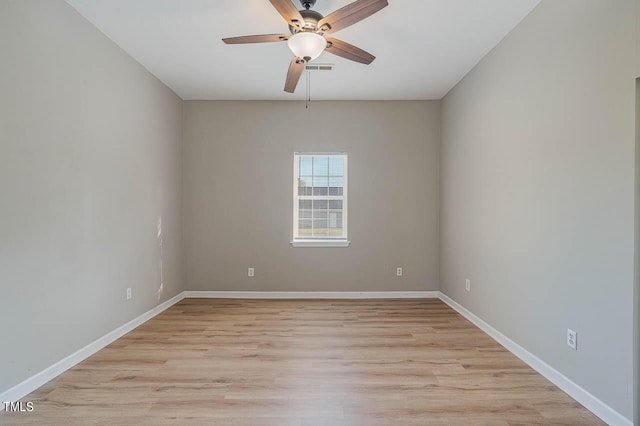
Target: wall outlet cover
[572, 339]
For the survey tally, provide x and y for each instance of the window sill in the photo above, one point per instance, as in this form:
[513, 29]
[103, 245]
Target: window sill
[320, 243]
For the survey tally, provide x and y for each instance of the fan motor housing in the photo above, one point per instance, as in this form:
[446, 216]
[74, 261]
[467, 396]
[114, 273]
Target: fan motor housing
[311, 19]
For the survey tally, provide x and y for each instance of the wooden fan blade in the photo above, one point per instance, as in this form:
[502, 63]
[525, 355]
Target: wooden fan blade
[263, 38]
[350, 14]
[293, 75]
[289, 12]
[348, 51]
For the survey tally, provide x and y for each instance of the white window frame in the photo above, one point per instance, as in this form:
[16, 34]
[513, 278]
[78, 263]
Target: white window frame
[320, 242]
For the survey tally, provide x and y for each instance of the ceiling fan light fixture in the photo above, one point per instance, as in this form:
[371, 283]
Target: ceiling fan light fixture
[308, 28]
[307, 45]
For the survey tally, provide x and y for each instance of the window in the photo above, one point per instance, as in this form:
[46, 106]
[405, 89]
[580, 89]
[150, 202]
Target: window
[320, 200]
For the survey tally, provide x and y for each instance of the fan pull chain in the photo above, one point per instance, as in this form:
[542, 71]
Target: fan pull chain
[308, 97]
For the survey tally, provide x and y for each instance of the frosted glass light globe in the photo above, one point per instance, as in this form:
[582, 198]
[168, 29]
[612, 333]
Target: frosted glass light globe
[307, 46]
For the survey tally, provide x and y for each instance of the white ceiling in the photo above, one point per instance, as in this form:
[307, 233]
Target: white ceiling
[422, 47]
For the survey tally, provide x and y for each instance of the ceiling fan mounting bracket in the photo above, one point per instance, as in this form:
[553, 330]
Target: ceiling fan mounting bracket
[308, 4]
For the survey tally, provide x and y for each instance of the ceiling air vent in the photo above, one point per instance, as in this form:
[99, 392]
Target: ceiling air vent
[319, 67]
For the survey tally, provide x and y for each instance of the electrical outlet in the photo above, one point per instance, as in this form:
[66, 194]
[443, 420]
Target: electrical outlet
[129, 293]
[398, 271]
[250, 272]
[572, 339]
[467, 284]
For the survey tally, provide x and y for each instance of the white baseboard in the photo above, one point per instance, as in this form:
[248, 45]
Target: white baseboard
[21, 390]
[599, 408]
[312, 294]
[24, 388]
[593, 404]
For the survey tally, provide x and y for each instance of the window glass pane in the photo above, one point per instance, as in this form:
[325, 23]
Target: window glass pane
[320, 191]
[320, 227]
[320, 214]
[335, 220]
[303, 214]
[305, 191]
[321, 166]
[305, 181]
[320, 204]
[335, 191]
[336, 166]
[305, 165]
[305, 204]
[320, 181]
[304, 224]
[336, 181]
[305, 232]
[335, 204]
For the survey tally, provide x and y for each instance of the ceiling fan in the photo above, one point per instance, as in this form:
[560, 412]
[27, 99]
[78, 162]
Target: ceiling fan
[308, 27]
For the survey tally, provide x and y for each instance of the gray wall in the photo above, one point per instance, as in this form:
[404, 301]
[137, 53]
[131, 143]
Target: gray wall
[238, 166]
[538, 189]
[537, 181]
[636, 290]
[636, 297]
[90, 158]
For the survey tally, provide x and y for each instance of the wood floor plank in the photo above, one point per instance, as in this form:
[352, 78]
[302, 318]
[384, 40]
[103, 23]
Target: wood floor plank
[303, 362]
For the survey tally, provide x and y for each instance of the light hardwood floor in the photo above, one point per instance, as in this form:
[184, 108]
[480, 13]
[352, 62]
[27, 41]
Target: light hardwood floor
[303, 362]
